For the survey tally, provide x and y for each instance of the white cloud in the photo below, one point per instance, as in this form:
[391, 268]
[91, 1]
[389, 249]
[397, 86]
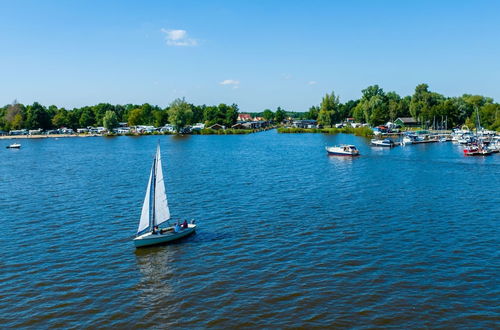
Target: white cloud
[178, 38]
[312, 82]
[231, 82]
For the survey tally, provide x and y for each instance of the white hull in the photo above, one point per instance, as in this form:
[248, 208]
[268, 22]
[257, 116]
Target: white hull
[153, 239]
[382, 143]
[343, 150]
[14, 146]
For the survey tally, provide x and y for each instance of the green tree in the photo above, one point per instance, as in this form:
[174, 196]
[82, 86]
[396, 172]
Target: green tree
[73, 119]
[110, 120]
[86, 117]
[14, 116]
[135, 117]
[179, 114]
[489, 114]
[378, 111]
[372, 108]
[37, 117]
[160, 117]
[393, 105]
[211, 115]
[268, 115]
[329, 110]
[313, 113]
[17, 122]
[231, 115]
[422, 102]
[279, 115]
[60, 119]
[198, 113]
[100, 111]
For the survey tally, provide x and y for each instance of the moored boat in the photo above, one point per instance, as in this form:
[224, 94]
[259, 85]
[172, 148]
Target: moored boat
[343, 150]
[383, 143]
[155, 212]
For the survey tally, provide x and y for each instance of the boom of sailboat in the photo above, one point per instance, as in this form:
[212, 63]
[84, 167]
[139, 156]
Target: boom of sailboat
[155, 212]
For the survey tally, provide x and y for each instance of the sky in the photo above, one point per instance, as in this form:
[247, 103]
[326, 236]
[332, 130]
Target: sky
[257, 54]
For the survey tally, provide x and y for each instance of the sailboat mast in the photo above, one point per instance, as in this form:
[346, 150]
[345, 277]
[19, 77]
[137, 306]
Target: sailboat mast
[152, 196]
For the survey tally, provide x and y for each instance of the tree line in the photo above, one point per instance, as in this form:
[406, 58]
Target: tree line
[179, 113]
[377, 107]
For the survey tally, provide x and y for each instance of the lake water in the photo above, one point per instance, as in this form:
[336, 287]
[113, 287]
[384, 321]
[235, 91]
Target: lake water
[288, 236]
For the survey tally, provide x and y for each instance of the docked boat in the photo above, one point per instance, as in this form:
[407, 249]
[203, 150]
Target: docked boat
[155, 212]
[408, 139]
[383, 143]
[343, 150]
[14, 146]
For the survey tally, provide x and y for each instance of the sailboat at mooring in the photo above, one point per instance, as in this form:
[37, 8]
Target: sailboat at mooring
[155, 212]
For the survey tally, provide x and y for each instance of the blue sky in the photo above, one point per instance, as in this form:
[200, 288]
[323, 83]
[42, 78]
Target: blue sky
[258, 54]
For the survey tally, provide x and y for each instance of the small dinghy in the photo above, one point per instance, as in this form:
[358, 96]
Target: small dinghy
[343, 150]
[14, 146]
[155, 212]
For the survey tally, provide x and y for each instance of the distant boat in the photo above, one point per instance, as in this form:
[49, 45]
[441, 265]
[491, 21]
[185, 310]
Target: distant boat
[155, 212]
[14, 146]
[343, 150]
[383, 143]
[477, 150]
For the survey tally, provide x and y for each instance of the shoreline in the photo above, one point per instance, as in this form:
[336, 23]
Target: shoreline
[203, 132]
[45, 136]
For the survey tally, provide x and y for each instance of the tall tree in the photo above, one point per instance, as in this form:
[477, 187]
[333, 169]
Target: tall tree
[279, 115]
[87, 117]
[179, 114]
[329, 110]
[14, 116]
[110, 120]
[372, 108]
[60, 119]
[135, 117]
[231, 115]
[268, 115]
[37, 117]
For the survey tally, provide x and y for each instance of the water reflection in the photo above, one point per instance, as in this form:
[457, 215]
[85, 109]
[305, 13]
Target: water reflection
[156, 275]
[341, 159]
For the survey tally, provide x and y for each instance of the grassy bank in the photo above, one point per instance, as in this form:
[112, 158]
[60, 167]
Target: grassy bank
[359, 131]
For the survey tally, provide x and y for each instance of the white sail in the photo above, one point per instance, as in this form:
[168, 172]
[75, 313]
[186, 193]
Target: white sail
[145, 214]
[162, 212]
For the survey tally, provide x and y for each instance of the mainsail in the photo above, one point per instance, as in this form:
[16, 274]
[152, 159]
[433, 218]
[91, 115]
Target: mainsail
[161, 212]
[155, 207]
[146, 206]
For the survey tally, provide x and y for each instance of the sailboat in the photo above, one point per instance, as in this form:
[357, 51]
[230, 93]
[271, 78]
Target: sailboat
[155, 212]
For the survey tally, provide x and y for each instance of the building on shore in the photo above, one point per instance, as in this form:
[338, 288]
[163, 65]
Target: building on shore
[242, 117]
[406, 122]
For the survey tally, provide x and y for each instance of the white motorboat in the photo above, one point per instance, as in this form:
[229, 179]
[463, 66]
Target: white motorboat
[155, 212]
[343, 150]
[14, 146]
[408, 139]
[383, 143]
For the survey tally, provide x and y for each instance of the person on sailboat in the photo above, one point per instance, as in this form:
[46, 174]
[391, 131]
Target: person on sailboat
[176, 227]
[185, 224]
[155, 230]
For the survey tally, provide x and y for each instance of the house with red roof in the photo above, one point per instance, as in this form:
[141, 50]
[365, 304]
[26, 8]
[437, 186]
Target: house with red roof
[244, 117]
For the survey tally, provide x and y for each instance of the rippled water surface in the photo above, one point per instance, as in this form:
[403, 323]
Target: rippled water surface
[288, 236]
